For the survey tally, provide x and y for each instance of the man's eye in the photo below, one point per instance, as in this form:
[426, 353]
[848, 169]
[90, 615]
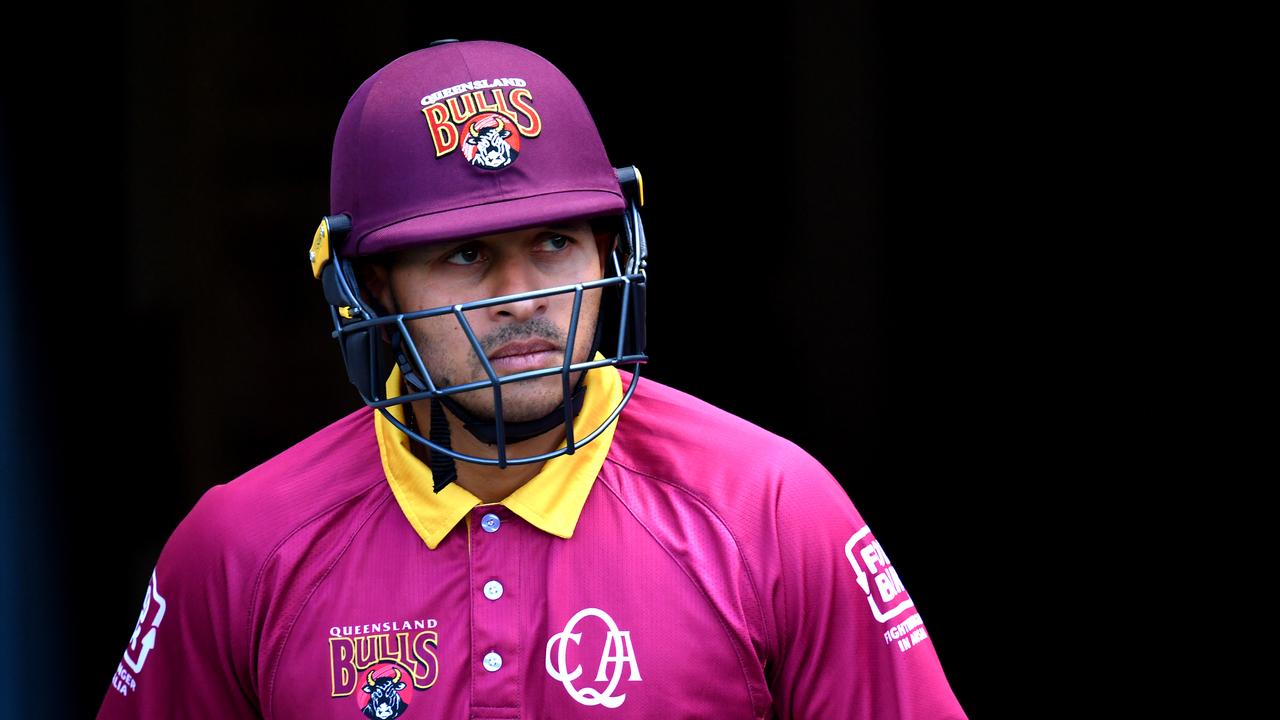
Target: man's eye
[558, 242]
[464, 256]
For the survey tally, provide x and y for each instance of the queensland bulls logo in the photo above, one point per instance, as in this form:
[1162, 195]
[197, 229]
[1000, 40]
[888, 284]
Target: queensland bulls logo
[382, 665]
[616, 658]
[484, 119]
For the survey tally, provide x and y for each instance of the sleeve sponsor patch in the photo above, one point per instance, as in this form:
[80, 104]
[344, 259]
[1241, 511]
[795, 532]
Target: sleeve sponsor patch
[886, 596]
[142, 640]
[876, 576]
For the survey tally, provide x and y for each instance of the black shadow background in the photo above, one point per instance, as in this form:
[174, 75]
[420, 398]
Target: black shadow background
[834, 256]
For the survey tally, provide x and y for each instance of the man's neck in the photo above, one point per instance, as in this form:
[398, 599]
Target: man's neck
[487, 482]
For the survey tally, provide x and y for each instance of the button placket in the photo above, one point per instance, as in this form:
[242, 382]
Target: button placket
[497, 617]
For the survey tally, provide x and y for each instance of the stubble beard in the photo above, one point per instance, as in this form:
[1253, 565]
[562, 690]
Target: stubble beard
[521, 400]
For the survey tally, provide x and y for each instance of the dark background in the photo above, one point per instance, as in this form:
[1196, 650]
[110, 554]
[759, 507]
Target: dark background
[849, 263]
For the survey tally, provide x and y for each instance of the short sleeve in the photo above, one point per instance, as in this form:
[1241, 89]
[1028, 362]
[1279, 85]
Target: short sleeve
[187, 654]
[851, 642]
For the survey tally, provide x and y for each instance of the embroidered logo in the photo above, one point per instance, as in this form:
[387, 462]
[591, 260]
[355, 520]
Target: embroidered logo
[485, 119]
[383, 664]
[617, 653]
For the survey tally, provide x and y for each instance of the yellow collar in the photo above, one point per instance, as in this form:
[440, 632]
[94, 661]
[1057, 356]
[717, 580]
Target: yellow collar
[552, 500]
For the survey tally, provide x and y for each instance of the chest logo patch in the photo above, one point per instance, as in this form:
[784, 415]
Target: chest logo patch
[618, 655]
[382, 665]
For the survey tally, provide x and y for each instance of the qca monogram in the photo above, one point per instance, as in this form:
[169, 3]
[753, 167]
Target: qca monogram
[617, 653]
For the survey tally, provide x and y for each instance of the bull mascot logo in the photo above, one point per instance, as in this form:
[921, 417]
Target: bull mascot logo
[384, 695]
[490, 145]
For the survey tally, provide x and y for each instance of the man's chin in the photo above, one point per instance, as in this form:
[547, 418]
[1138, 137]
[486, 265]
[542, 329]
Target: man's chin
[511, 417]
[521, 400]
[512, 411]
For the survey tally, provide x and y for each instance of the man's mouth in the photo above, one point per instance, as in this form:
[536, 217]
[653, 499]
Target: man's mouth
[523, 355]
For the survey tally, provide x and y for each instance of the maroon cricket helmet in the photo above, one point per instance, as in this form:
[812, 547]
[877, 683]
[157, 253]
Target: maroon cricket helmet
[461, 139]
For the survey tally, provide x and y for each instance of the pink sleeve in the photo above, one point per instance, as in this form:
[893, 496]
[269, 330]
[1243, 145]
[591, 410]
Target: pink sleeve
[187, 654]
[852, 643]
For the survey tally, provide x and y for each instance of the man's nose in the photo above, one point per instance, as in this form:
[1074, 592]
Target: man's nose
[514, 276]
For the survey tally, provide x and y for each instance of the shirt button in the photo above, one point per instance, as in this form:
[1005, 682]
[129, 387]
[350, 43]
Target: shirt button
[490, 522]
[493, 589]
[492, 662]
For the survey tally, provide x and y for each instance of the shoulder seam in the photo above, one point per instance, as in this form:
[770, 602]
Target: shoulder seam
[751, 580]
[302, 608]
[262, 567]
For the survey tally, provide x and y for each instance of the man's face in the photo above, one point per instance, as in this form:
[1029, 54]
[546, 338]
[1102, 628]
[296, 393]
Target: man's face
[489, 266]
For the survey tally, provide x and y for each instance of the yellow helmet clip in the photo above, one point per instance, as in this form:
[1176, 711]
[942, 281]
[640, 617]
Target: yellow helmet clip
[320, 248]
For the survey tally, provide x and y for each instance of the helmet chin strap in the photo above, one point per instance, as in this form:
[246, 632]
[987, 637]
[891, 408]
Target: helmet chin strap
[443, 468]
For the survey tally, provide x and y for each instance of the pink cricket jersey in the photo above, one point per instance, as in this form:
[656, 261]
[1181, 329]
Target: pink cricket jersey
[685, 564]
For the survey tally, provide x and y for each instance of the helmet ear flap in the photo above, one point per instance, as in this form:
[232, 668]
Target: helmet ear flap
[633, 191]
[635, 341]
[367, 357]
